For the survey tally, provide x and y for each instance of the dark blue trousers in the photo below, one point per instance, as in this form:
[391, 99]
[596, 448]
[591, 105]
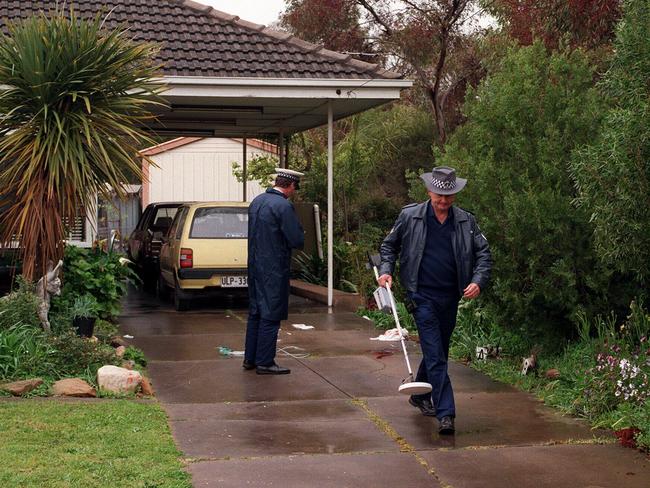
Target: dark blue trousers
[435, 317]
[261, 339]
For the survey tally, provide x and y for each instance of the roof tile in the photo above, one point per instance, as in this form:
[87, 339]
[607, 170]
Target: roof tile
[201, 41]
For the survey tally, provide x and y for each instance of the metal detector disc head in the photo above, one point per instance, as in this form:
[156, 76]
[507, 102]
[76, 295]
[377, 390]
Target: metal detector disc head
[415, 388]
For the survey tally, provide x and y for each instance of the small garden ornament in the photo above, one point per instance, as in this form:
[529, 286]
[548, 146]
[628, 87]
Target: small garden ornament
[48, 285]
[529, 364]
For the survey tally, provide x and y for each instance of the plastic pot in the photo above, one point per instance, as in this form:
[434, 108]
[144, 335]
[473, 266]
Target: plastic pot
[84, 325]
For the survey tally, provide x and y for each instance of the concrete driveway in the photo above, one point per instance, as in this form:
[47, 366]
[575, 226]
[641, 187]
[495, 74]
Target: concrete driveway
[337, 420]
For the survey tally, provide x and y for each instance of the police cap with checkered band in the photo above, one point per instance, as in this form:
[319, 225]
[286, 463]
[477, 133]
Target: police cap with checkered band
[443, 181]
[289, 174]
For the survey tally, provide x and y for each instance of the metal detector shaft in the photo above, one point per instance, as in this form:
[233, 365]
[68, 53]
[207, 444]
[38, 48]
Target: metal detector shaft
[399, 329]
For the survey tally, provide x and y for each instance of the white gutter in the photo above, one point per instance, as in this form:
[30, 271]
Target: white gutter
[295, 82]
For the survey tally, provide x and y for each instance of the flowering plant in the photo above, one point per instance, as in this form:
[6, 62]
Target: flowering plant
[619, 376]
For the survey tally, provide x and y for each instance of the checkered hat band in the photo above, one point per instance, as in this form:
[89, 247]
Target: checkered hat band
[443, 185]
[288, 176]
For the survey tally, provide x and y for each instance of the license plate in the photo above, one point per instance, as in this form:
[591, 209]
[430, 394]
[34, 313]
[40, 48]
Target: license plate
[234, 281]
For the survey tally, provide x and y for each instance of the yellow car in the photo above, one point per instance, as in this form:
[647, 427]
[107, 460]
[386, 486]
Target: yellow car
[205, 249]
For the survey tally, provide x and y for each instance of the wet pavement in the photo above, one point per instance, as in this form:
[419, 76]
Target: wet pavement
[337, 419]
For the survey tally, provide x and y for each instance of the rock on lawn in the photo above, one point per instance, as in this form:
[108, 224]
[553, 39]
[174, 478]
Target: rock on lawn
[118, 380]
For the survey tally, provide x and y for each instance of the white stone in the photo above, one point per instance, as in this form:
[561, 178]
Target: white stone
[118, 380]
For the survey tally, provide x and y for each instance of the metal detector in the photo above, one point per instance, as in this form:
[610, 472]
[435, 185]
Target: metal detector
[386, 303]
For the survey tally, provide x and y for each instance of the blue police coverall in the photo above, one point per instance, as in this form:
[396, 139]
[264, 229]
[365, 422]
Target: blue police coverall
[273, 231]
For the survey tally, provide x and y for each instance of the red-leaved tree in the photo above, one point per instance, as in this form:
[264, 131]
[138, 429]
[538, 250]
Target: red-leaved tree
[580, 23]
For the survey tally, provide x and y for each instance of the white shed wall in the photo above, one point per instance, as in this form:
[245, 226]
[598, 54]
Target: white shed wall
[201, 171]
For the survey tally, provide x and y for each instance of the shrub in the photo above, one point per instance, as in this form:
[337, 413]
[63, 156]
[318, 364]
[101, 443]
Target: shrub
[523, 123]
[613, 173]
[73, 355]
[20, 307]
[136, 355]
[95, 273]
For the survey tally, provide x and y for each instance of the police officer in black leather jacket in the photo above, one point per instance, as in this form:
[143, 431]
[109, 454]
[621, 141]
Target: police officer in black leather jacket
[443, 256]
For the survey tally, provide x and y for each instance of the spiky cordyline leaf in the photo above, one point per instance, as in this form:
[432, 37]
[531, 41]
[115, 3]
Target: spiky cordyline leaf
[73, 97]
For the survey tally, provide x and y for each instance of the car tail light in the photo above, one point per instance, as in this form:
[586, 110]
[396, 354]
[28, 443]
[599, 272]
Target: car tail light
[187, 260]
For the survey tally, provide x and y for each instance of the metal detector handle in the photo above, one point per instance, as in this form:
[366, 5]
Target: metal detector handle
[374, 268]
[399, 327]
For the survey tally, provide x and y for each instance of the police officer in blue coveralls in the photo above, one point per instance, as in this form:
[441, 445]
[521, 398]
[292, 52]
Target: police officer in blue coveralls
[273, 231]
[443, 255]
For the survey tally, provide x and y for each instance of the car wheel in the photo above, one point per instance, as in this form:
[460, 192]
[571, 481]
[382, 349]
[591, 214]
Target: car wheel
[162, 289]
[149, 280]
[181, 303]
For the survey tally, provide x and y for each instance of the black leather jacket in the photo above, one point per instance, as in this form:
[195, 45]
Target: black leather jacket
[408, 237]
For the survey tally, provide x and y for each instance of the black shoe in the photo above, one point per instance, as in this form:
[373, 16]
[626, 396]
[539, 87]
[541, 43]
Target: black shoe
[447, 426]
[247, 365]
[425, 406]
[272, 369]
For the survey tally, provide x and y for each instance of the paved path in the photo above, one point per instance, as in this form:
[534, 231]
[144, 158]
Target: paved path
[337, 420]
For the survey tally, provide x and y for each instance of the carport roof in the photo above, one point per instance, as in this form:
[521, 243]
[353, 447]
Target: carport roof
[198, 40]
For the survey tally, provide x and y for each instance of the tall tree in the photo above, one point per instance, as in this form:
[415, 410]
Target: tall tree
[333, 23]
[428, 39]
[425, 36]
[71, 100]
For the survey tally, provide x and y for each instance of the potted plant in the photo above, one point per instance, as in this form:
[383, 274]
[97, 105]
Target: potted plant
[84, 314]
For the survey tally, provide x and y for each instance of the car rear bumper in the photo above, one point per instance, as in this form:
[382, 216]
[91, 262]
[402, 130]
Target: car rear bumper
[200, 278]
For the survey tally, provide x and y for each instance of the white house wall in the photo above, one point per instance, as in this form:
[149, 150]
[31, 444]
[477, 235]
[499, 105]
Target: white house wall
[201, 171]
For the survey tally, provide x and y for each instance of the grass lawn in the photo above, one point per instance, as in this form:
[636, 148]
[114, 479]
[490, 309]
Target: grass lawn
[52, 443]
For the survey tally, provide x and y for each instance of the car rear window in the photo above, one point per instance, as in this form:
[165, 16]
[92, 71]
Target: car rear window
[163, 218]
[219, 223]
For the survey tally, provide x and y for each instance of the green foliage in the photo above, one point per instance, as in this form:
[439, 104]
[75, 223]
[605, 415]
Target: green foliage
[105, 330]
[85, 306]
[311, 268]
[613, 173]
[604, 376]
[417, 191]
[95, 273]
[20, 307]
[523, 123]
[370, 160]
[24, 351]
[259, 168]
[74, 355]
[75, 97]
[27, 351]
[136, 355]
[384, 321]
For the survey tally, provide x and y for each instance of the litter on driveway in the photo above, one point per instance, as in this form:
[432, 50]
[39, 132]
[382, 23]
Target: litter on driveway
[390, 335]
[302, 326]
[226, 351]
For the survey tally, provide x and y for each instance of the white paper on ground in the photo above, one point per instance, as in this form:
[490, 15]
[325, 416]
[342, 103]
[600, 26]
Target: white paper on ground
[390, 335]
[302, 326]
[127, 336]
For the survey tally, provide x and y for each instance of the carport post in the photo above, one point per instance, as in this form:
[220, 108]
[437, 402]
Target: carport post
[283, 162]
[330, 205]
[244, 165]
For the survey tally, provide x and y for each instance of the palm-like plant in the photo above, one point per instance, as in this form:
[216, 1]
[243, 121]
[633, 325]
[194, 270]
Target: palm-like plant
[73, 99]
